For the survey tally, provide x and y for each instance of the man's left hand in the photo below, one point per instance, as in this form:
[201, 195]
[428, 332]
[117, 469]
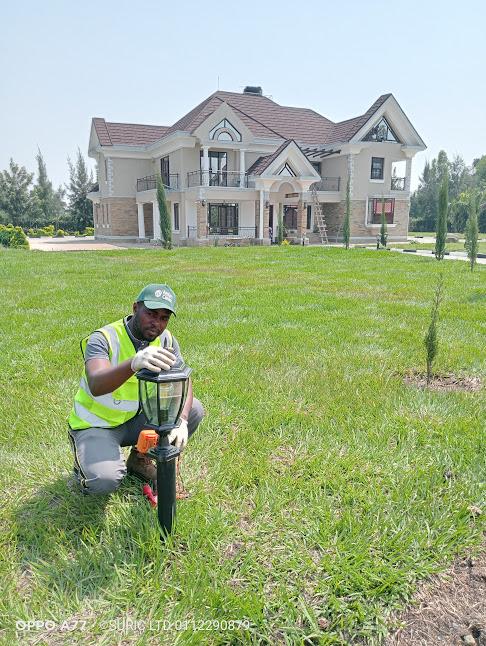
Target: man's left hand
[178, 436]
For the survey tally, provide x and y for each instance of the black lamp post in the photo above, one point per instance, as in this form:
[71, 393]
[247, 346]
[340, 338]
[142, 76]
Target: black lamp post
[162, 397]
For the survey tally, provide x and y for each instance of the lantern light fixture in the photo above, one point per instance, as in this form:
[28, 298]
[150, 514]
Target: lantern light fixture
[162, 396]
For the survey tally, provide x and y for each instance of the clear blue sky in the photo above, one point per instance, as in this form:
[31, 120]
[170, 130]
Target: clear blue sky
[152, 61]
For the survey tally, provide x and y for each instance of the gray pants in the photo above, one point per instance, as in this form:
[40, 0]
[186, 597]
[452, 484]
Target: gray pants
[99, 464]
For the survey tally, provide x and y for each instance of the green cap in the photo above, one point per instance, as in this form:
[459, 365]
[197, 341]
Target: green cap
[157, 297]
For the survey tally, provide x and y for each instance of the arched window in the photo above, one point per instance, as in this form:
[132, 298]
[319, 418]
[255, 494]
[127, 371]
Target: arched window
[382, 132]
[225, 131]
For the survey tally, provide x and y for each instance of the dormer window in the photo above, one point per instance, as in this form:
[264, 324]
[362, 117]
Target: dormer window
[225, 131]
[382, 132]
[287, 171]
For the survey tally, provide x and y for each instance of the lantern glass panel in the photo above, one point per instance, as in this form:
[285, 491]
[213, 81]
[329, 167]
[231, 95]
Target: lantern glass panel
[149, 401]
[170, 399]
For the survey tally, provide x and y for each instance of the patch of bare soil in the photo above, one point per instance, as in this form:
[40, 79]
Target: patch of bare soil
[449, 609]
[444, 382]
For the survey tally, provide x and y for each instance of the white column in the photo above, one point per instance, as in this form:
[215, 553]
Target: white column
[242, 166]
[350, 176]
[157, 231]
[260, 226]
[141, 221]
[110, 176]
[205, 166]
[408, 175]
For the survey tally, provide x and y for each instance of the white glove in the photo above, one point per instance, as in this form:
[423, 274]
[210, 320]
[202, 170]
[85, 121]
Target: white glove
[179, 436]
[153, 358]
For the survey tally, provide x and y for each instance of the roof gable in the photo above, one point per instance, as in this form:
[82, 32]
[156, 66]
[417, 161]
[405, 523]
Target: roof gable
[396, 119]
[222, 112]
[287, 160]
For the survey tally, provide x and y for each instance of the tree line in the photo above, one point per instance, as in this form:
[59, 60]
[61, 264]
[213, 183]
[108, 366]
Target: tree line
[37, 204]
[464, 184]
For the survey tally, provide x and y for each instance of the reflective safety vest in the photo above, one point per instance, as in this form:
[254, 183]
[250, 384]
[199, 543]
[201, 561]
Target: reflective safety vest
[116, 408]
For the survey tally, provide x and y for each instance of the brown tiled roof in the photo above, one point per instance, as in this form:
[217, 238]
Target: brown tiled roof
[262, 163]
[263, 117]
[127, 134]
[345, 130]
[102, 132]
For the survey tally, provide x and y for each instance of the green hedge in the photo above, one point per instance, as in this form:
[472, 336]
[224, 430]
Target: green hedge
[14, 238]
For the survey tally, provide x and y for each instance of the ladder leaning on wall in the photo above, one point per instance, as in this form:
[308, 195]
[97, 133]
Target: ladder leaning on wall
[319, 218]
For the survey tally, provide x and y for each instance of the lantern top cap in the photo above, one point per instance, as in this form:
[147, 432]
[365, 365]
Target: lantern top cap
[178, 372]
[156, 297]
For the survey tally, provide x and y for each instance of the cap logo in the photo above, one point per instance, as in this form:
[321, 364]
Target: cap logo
[158, 293]
[167, 296]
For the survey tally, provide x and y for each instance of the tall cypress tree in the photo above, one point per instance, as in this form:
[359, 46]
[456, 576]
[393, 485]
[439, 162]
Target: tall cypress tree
[165, 224]
[280, 228]
[441, 228]
[384, 228]
[346, 225]
[472, 244]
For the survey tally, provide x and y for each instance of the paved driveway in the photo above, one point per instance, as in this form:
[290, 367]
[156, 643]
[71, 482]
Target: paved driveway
[72, 243]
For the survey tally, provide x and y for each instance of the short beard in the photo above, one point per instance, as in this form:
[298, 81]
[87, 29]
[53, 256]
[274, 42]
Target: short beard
[136, 331]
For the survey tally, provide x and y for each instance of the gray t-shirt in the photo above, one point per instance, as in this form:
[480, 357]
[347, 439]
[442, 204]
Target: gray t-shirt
[97, 346]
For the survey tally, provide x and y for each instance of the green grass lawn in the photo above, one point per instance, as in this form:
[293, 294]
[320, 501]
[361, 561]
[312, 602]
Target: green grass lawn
[317, 477]
[450, 246]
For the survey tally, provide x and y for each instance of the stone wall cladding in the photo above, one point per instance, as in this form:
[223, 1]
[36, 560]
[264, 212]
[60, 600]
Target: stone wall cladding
[402, 209]
[122, 217]
[301, 218]
[357, 219]
[202, 219]
[257, 218]
[334, 215]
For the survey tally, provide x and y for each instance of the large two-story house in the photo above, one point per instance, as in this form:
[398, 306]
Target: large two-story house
[237, 163]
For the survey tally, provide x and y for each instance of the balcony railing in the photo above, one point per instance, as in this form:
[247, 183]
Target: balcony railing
[398, 183]
[229, 178]
[330, 184]
[149, 183]
[225, 232]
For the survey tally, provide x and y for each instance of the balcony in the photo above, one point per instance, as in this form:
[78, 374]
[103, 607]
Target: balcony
[398, 183]
[329, 184]
[228, 178]
[149, 183]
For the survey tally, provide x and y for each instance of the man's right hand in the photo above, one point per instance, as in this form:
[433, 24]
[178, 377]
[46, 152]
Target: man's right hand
[153, 358]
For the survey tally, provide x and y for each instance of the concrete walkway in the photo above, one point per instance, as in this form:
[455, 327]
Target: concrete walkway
[72, 243]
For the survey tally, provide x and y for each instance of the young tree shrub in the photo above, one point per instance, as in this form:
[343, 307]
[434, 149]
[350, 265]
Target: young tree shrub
[89, 231]
[472, 243]
[431, 340]
[165, 224]
[18, 239]
[384, 228]
[6, 233]
[280, 228]
[441, 227]
[346, 225]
